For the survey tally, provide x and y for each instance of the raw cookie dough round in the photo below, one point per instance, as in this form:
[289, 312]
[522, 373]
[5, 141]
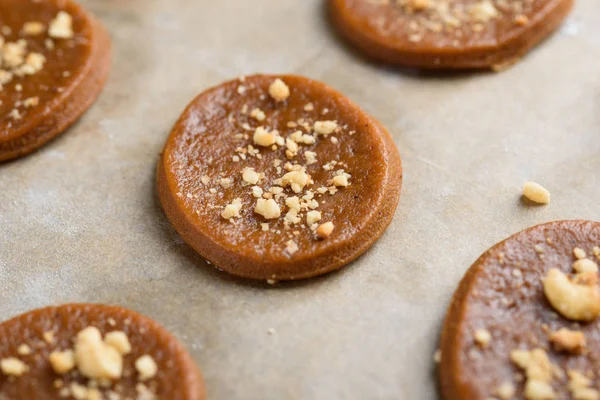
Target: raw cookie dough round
[503, 337]
[443, 34]
[278, 205]
[54, 62]
[66, 352]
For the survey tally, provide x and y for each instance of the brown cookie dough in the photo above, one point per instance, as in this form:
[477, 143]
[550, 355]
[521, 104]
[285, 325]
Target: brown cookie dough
[93, 352]
[445, 34]
[54, 60]
[522, 324]
[278, 177]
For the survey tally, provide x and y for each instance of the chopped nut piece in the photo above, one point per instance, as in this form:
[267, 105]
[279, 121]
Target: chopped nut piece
[62, 361]
[324, 230]
[538, 390]
[340, 181]
[579, 253]
[536, 193]
[24, 350]
[506, 391]
[521, 20]
[257, 114]
[568, 340]
[94, 358]
[264, 227]
[585, 265]
[278, 90]
[146, 367]
[226, 183]
[310, 157]
[232, 210]
[263, 138]
[33, 28]
[13, 366]
[580, 302]
[257, 191]
[309, 107]
[312, 217]
[325, 127]
[296, 179]
[418, 5]
[579, 386]
[48, 337]
[482, 337]
[484, 11]
[61, 27]
[31, 102]
[267, 208]
[291, 247]
[249, 175]
[119, 341]
[535, 363]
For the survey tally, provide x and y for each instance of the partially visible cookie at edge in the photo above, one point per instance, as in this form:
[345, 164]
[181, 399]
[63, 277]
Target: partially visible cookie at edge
[444, 34]
[523, 323]
[54, 61]
[278, 177]
[93, 352]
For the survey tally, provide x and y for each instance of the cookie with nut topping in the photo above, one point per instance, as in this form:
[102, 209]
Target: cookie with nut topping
[278, 178]
[93, 352]
[523, 322]
[54, 61]
[446, 34]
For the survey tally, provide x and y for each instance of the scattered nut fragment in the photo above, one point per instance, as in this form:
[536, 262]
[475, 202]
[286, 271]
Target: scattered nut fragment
[575, 301]
[13, 366]
[278, 90]
[62, 361]
[249, 175]
[568, 340]
[296, 179]
[585, 265]
[232, 210]
[267, 208]
[95, 359]
[258, 114]
[33, 28]
[325, 127]
[579, 253]
[24, 350]
[312, 217]
[536, 193]
[146, 367]
[119, 341]
[538, 371]
[263, 138]
[340, 180]
[484, 11]
[538, 390]
[579, 386]
[291, 247]
[506, 391]
[325, 230]
[61, 26]
[482, 337]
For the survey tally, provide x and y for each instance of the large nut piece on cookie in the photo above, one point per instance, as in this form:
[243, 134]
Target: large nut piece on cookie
[579, 302]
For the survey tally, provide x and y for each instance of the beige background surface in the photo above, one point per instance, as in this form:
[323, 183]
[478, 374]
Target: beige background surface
[79, 220]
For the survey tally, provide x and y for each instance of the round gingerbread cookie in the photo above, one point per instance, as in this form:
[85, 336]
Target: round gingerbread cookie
[54, 60]
[93, 352]
[446, 34]
[278, 177]
[523, 322]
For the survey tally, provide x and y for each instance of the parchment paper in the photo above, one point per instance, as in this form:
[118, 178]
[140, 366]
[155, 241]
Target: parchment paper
[79, 220]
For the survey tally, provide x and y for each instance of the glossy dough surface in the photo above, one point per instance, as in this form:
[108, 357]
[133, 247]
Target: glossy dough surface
[71, 78]
[177, 377]
[204, 143]
[447, 34]
[512, 307]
